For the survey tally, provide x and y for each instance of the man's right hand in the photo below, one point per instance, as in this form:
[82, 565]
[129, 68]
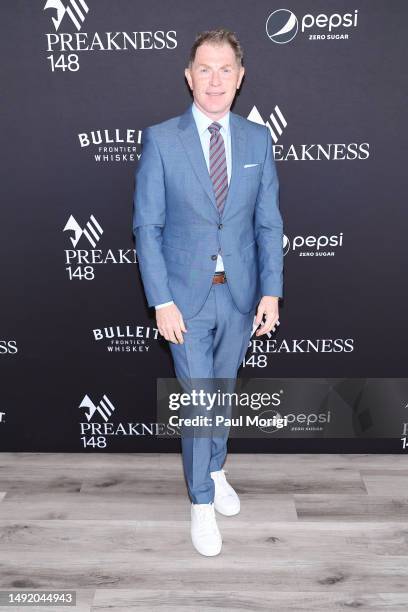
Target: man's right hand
[170, 323]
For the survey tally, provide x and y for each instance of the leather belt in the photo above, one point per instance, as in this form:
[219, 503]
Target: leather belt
[219, 277]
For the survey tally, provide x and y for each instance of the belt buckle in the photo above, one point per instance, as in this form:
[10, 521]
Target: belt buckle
[221, 276]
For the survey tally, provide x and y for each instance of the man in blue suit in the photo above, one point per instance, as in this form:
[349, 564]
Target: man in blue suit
[208, 233]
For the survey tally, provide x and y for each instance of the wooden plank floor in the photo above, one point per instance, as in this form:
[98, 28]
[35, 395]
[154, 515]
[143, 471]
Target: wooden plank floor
[316, 533]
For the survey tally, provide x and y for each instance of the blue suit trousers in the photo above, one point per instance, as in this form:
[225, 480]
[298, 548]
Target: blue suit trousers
[214, 346]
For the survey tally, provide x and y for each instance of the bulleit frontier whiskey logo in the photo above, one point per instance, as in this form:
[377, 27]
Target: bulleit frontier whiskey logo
[114, 145]
[128, 339]
[65, 47]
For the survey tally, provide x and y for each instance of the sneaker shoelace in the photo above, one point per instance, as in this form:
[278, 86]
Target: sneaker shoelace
[206, 518]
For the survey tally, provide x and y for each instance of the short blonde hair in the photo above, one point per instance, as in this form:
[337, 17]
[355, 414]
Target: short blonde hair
[218, 37]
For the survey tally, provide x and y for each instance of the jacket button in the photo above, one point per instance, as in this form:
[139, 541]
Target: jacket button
[220, 226]
[213, 257]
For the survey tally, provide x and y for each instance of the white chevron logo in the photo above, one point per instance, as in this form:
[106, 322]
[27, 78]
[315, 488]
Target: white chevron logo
[75, 9]
[105, 407]
[92, 231]
[278, 121]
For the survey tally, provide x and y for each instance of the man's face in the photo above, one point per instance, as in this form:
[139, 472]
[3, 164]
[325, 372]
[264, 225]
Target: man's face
[214, 78]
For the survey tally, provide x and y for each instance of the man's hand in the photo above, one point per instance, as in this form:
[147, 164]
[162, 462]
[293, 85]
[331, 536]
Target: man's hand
[268, 306]
[170, 323]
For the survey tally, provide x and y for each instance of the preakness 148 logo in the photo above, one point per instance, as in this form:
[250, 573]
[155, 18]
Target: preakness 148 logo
[99, 427]
[84, 256]
[65, 47]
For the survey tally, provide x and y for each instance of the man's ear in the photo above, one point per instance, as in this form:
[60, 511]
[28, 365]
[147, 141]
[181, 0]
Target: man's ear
[187, 74]
[241, 76]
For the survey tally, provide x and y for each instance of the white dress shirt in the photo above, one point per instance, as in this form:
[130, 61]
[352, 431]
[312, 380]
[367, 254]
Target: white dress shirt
[202, 123]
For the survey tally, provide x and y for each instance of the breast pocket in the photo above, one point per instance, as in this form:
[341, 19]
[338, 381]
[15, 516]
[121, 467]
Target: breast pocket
[252, 175]
[252, 179]
[252, 168]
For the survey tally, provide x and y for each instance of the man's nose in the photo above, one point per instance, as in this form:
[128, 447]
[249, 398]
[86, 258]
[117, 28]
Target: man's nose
[215, 79]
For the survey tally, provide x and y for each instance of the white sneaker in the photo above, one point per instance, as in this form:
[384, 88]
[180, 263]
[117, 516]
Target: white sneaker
[226, 501]
[205, 535]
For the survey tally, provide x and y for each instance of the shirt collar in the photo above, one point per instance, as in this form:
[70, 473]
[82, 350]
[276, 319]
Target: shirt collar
[203, 121]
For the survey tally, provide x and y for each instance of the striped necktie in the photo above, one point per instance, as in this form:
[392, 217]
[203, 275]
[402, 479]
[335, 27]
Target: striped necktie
[218, 165]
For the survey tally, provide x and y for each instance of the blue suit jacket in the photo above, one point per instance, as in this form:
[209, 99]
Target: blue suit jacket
[179, 231]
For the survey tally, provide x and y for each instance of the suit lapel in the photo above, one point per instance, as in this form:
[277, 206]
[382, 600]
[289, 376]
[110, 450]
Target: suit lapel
[191, 141]
[238, 142]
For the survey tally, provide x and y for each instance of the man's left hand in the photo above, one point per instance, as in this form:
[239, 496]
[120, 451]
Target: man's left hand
[268, 306]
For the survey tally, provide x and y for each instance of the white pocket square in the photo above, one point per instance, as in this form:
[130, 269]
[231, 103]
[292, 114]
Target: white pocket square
[250, 165]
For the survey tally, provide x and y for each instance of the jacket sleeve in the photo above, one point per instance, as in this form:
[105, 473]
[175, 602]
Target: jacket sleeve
[269, 227]
[149, 213]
